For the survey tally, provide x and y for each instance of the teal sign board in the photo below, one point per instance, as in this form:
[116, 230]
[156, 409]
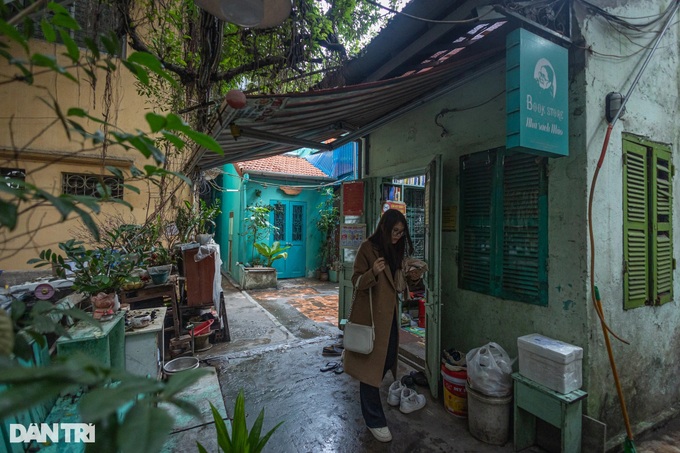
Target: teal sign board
[537, 99]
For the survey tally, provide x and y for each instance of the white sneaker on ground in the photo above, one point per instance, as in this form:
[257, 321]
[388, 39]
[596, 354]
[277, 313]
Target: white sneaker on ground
[411, 401]
[382, 434]
[394, 393]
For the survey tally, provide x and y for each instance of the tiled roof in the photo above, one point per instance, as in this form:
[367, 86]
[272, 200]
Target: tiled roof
[289, 165]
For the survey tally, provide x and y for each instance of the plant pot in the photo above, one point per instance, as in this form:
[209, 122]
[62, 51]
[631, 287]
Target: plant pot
[104, 301]
[258, 277]
[333, 276]
[159, 274]
[203, 239]
[323, 276]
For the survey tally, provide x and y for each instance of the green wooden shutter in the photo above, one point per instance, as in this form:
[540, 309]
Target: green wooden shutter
[662, 232]
[635, 224]
[476, 185]
[521, 266]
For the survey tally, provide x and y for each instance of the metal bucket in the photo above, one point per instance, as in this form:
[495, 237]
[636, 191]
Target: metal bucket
[180, 364]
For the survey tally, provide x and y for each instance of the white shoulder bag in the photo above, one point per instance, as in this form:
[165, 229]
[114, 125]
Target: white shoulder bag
[358, 337]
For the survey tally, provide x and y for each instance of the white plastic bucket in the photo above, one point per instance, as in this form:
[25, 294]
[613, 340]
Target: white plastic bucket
[489, 416]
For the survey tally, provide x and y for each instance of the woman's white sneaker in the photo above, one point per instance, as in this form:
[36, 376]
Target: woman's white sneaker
[382, 434]
[394, 393]
[411, 401]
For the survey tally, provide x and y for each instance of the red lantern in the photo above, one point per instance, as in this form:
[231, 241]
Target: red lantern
[236, 99]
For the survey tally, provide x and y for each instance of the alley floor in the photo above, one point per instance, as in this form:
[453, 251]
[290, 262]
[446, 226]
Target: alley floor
[275, 356]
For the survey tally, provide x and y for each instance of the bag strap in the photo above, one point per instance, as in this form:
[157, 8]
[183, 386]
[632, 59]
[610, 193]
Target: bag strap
[370, 299]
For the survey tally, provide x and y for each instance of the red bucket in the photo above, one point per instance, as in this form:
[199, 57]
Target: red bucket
[203, 327]
[455, 394]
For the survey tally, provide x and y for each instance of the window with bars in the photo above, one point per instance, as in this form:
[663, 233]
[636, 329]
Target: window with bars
[647, 223]
[504, 225]
[99, 186]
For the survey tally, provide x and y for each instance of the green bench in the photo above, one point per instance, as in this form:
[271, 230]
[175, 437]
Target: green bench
[563, 411]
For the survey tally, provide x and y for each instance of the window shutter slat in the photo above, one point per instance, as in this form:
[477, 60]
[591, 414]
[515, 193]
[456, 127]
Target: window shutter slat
[635, 239]
[476, 185]
[520, 228]
[662, 275]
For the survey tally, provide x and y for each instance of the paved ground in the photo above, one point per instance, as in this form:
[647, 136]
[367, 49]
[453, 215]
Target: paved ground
[274, 355]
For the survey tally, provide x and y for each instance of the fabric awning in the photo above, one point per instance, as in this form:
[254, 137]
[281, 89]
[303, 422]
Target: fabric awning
[326, 119]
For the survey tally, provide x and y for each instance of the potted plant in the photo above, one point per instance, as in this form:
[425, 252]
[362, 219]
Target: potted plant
[327, 224]
[205, 221]
[159, 262]
[97, 273]
[257, 230]
[273, 252]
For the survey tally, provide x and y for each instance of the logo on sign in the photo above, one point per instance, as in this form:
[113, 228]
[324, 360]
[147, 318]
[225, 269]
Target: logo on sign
[44, 432]
[544, 74]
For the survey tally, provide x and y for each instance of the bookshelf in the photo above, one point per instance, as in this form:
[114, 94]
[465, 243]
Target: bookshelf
[411, 191]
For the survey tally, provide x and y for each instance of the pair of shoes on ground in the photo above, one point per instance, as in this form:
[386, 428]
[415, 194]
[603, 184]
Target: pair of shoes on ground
[382, 434]
[407, 399]
[415, 377]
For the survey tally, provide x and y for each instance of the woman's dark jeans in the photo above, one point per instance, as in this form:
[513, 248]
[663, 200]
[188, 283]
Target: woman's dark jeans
[371, 407]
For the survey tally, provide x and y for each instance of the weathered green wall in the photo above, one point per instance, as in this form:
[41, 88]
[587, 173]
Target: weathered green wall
[648, 367]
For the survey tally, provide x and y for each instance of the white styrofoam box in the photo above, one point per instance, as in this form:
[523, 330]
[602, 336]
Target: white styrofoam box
[550, 362]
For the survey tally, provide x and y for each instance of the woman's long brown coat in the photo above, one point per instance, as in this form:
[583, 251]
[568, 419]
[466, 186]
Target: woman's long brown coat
[368, 368]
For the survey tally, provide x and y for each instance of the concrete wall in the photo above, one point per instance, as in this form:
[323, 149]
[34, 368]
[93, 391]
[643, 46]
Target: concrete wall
[648, 367]
[32, 139]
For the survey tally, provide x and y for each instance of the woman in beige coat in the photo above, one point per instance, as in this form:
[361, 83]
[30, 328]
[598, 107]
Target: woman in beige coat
[377, 269]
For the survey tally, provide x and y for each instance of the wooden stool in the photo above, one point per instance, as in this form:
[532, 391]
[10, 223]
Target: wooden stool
[560, 410]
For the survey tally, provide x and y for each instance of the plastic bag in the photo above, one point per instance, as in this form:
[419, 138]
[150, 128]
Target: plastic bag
[489, 370]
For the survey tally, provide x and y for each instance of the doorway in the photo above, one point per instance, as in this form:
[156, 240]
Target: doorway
[289, 219]
[419, 198]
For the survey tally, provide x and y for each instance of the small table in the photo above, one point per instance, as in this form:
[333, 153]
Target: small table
[106, 345]
[559, 409]
[144, 348]
[150, 292]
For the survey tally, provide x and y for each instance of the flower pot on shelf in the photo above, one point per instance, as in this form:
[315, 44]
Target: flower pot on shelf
[159, 274]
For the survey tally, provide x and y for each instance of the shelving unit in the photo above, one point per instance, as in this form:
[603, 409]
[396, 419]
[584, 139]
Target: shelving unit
[411, 191]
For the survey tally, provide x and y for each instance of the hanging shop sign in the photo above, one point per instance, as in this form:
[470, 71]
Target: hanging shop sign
[398, 205]
[537, 98]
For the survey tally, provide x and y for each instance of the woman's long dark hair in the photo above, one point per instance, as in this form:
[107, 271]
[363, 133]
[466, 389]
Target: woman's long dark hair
[382, 239]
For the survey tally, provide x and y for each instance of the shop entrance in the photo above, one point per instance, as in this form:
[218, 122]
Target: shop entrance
[418, 197]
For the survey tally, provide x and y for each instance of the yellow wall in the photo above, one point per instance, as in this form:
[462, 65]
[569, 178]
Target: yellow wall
[30, 139]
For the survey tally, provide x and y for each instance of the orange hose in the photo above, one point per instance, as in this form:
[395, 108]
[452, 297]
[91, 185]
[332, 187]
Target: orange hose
[595, 297]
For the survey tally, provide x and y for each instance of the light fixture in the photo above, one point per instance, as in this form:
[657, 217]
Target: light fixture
[248, 13]
[614, 101]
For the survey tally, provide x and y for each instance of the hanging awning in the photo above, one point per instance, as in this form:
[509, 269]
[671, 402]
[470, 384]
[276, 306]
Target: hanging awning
[326, 119]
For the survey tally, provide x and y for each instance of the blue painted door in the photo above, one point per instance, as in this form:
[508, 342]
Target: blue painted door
[289, 218]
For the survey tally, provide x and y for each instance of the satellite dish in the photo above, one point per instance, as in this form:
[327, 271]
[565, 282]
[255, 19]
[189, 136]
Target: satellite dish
[248, 13]
[44, 291]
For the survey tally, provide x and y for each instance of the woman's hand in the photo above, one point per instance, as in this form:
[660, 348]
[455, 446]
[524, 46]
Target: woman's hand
[378, 266]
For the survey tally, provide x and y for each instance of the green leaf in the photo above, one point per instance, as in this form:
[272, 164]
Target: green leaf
[62, 18]
[48, 30]
[174, 139]
[111, 43]
[180, 381]
[71, 47]
[205, 141]
[92, 47]
[152, 63]
[145, 428]
[156, 121]
[13, 34]
[187, 407]
[132, 188]
[22, 397]
[138, 72]
[99, 403]
[8, 215]
[223, 439]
